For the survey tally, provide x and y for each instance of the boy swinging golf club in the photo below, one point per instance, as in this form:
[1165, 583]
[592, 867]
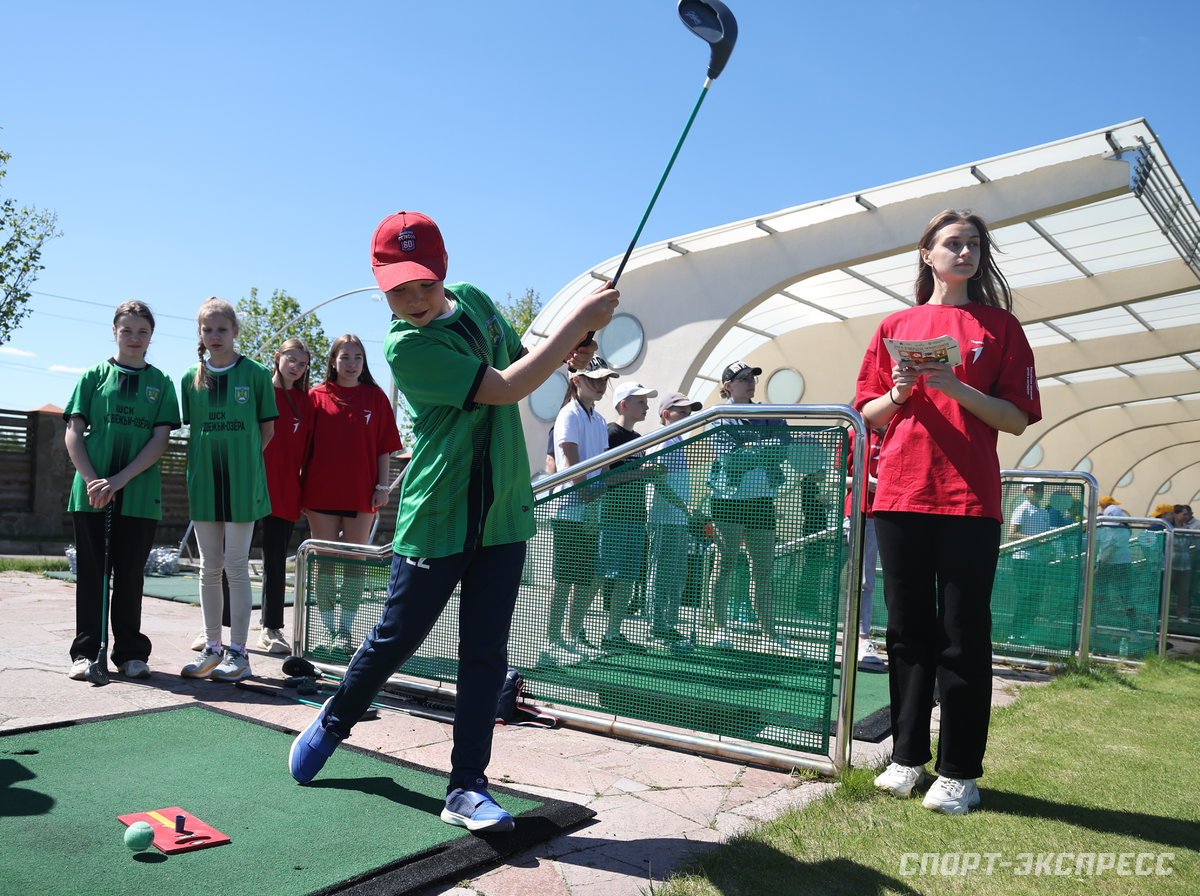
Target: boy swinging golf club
[466, 506]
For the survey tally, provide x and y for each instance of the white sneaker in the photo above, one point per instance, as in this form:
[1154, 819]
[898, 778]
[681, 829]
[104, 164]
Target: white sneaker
[234, 666]
[79, 667]
[582, 650]
[721, 640]
[557, 655]
[202, 666]
[780, 642]
[272, 641]
[900, 779]
[134, 669]
[868, 655]
[199, 641]
[953, 796]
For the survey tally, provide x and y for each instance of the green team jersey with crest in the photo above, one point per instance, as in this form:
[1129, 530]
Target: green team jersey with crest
[122, 406]
[226, 476]
[468, 481]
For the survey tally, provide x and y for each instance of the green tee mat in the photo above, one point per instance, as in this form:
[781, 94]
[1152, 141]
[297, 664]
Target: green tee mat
[183, 587]
[367, 825]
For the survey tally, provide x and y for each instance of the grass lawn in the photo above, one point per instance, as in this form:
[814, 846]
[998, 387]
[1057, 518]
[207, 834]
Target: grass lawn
[1086, 778]
[33, 564]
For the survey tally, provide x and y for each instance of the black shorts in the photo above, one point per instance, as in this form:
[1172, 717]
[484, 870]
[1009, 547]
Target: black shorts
[753, 513]
[575, 548]
[349, 514]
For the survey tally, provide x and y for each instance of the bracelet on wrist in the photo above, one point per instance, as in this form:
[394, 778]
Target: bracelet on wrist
[381, 487]
[898, 404]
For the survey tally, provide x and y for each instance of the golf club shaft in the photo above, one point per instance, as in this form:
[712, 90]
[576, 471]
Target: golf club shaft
[662, 180]
[653, 199]
[97, 672]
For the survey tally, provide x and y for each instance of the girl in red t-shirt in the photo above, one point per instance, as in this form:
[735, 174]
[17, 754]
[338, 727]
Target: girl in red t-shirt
[284, 457]
[345, 479]
[937, 502]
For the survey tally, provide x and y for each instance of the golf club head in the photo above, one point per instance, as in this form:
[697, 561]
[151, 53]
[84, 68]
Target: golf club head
[96, 674]
[300, 667]
[712, 22]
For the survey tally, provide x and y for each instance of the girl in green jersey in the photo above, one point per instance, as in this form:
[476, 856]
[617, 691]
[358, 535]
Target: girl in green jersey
[119, 419]
[229, 402]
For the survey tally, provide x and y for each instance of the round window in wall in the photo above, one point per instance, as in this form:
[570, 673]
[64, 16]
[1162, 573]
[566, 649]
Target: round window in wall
[1032, 457]
[621, 341]
[1084, 466]
[785, 386]
[547, 398]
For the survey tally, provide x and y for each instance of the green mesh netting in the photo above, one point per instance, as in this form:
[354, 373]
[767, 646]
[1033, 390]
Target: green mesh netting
[696, 587]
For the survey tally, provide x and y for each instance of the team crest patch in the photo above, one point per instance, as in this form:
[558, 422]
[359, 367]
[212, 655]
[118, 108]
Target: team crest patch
[494, 332]
[408, 241]
[241, 394]
[152, 394]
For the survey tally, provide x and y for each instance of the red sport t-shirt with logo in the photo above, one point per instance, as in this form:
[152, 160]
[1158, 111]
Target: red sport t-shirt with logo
[938, 457]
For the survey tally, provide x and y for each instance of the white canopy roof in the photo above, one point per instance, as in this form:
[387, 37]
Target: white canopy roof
[1099, 239]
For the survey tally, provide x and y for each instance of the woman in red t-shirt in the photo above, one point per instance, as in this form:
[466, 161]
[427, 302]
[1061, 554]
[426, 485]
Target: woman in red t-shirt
[937, 502]
[345, 479]
[284, 458]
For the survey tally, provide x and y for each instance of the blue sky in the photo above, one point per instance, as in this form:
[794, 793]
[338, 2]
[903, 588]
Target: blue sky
[204, 149]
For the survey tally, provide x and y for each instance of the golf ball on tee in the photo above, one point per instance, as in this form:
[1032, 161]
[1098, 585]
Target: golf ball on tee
[139, 836]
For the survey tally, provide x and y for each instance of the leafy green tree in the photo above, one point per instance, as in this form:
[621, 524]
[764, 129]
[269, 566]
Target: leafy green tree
[263, 326]
[521, 312]
[23, 230]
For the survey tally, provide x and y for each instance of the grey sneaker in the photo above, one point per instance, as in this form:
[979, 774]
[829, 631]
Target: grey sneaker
[134, 669]
[203, 665]
[272, 641]
[900, 779]
[234, 666]
[79, 667]
[953, 796]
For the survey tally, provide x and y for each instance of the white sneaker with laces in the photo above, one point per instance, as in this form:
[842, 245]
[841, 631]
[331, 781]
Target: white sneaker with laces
[134, 669]
[721, 640]
[900, 779]
[557, 655]
[272, 641]
[202, 666]
[79, 667]
[199, 641]
[234, 666]
[868, 655]
[577, 647]
[953, 796]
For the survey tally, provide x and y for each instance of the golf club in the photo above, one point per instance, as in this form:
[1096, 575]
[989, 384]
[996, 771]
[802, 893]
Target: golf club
[97, 672]
[712, 22]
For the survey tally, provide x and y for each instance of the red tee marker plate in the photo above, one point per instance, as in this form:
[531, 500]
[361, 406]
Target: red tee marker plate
[196, 833]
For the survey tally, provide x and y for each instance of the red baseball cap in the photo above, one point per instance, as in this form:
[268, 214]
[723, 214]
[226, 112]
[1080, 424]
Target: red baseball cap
[407, 246]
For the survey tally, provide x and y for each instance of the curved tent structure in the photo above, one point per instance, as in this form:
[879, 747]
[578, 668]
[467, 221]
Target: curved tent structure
[1100, 242]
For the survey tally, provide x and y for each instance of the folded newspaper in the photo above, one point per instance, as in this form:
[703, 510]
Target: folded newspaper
[918, 351]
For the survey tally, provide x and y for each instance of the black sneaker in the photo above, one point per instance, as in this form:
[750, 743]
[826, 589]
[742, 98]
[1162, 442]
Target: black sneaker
[671, 635]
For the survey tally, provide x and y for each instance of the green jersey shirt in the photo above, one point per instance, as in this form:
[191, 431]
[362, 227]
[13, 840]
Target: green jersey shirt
[226, 476]
[468, 480]
[121, 407]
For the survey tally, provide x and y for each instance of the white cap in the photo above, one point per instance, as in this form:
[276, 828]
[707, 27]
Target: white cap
[625, 390]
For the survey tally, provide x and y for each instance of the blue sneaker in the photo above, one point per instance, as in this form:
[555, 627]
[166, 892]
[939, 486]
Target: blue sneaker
[312, 747]
[475, 810]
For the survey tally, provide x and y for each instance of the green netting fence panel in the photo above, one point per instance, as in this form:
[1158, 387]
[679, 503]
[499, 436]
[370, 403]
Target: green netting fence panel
[1185, 583]
[1127, 589]
[1037, 599]
[694, 588]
